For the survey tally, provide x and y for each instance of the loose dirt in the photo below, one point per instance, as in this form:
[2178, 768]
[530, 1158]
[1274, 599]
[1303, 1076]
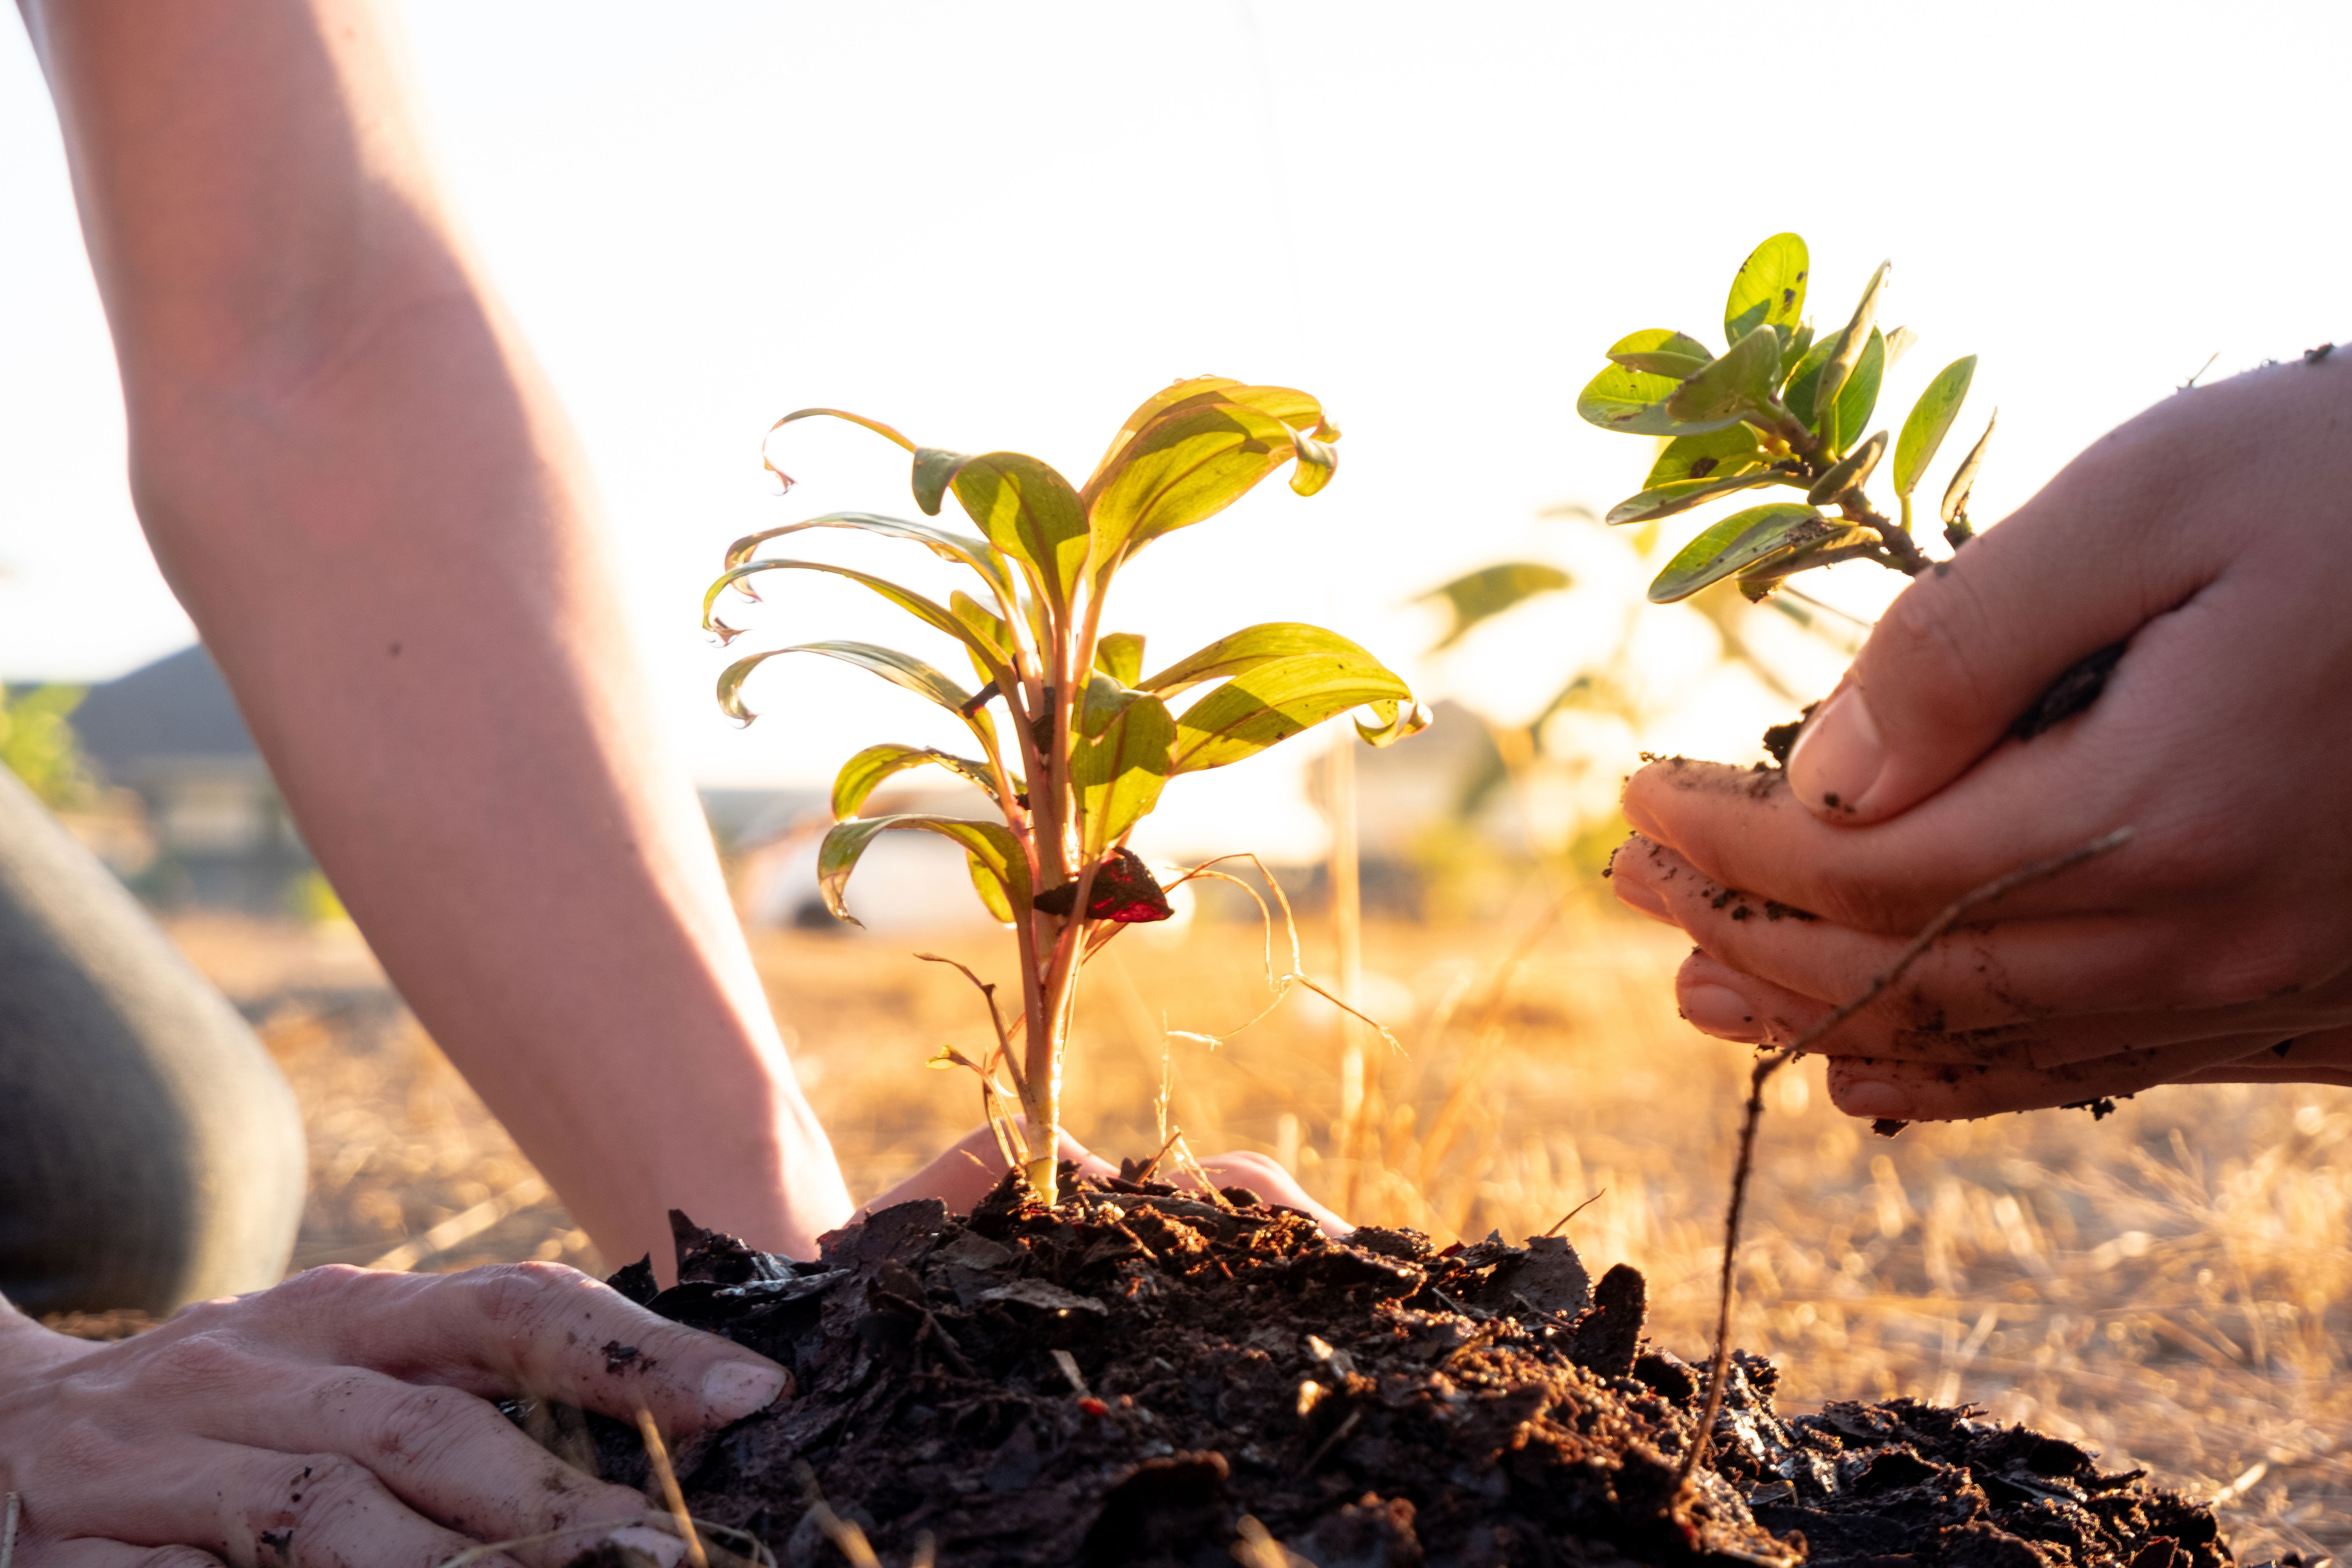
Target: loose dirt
[1125, 1378]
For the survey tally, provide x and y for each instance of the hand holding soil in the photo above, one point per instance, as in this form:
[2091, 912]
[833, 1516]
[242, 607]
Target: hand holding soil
[340, 1418]
[2205, 537]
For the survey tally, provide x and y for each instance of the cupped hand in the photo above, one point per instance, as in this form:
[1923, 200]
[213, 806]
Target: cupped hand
[2212, 537]
[969, 1166]
[340, 1421]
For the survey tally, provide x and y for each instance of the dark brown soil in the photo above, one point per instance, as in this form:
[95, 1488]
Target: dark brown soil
[1373, 1404]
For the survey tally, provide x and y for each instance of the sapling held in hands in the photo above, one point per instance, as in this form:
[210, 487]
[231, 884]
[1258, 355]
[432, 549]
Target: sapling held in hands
[1781, 406]
[1088, 741]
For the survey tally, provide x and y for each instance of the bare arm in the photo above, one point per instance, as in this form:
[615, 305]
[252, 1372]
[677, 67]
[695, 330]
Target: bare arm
[360, 487]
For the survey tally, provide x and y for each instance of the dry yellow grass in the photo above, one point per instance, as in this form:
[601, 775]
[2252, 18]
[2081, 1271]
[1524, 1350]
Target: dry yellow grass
[2171, 1285]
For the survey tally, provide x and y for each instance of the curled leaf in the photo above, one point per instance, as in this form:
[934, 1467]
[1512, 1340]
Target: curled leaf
[991, 846]
[1955, 494]
[873, 424]
[1265, 706]
[1847, 348]
[865, 772]
[960, 547]
[1681, 495]
[1124, 892]
[1247, 649]
[1678, 356]
[898, 668]
[930, 612]
[1028, 510]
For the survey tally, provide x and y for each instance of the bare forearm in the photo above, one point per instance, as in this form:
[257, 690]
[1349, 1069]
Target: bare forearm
[360, 487]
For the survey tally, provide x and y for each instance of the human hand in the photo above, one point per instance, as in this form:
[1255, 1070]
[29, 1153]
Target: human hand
[969, 1166]
[339, 1419]
[2209, 533]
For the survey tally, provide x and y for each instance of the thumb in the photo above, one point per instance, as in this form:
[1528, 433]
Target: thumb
[1977, 643]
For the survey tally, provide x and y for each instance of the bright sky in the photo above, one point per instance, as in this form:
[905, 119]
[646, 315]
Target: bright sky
[1001, 226]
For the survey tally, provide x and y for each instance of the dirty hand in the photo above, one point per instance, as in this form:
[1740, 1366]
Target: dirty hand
[961, 1176]
[2209, 534]
[338, 1420]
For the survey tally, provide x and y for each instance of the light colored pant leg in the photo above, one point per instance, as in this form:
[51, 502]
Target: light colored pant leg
[151, 1153]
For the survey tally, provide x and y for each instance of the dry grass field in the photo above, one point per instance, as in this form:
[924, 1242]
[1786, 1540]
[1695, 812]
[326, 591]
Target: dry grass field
[2172, 1286]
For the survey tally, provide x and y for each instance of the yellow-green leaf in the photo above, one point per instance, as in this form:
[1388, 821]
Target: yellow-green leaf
[1849, 472]
[901, 670]
[1679, 357]
[1964, 480]
[1740, 540]
[1482, 595]
[1267, 705]
[1738, 383]
[1120, 771]
[1734, 449]
[1030, 513]
[930, 612]
[961, 548]
[989, 627]
[1768, 291]
[1119, 655]
[1635, 400]
[1191, 462]
[1855, 402]
[1247, 649]
[1930, 421]
[1287, 404]
[873, 424]
[1396, 721]
[1846, 351]
[1681, 495]
[993, 849]
[864, 772]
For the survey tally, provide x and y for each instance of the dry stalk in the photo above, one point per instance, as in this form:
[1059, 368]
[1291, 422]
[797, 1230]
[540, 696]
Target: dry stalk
[756, 1551]
[1773, 1061]
[657, 1452]
[9, 1529]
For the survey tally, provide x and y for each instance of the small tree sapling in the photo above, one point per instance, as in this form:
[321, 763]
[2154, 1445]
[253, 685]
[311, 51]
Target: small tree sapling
[1780, 407]
[1093, 740]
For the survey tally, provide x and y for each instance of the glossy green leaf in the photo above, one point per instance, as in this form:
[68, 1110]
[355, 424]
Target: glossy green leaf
[898, 668]
[1267, 705]
[1484, 594]
[1848, 541]
[862, 774]
[1734, 449]
[1738, 543]
[1119, 655]
[1103, 701]
[1964, 480]
[1738, 383]
[1635, 400]
[1666, 500]
[1855, 402]
[1930, 421]
[1846, 349]
[1247, 649]
[1849, 472]
[991, 846]
[1188, 463]
[1678, 357]
[1120, 771]
[875, 425]
[961, 548]
[930, 612]
[1769, 290]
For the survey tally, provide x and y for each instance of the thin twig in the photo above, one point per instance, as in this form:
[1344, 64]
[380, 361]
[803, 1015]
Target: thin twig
[1772, 1062]
[1562, 1222]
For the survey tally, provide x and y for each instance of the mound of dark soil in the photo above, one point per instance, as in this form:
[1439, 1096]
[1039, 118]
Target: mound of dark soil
[1123, 1378]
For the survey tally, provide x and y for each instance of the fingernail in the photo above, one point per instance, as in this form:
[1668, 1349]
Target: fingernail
[1875, 1099]
[734, 1389]
[1838, 756]
[1720, 1011]
[665, 1549]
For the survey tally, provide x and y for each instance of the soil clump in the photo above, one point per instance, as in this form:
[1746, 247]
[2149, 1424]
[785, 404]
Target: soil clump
[1130, 1376]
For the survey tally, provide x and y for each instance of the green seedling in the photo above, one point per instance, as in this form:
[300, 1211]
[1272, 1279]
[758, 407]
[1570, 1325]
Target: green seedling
[1780, 407]
[1088, 741]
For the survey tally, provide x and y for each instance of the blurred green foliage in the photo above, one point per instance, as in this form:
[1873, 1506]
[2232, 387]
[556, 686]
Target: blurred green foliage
[38, 745]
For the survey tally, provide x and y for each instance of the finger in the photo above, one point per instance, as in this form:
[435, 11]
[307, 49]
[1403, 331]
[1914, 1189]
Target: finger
[1943, 1091]
[1746, 829]
[964, 1175]
[1720, 1001]
[536, 1328]
[91, 1553]
[1975, 978]
[247, 1505]
[1264, 1176]
[445, 1453]
[1973, 643]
